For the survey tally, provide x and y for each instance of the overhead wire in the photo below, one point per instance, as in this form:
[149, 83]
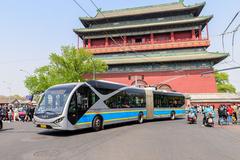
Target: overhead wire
[233, 32]
[97, 24]
[233, 42]
[99, 10]
[123, 47]
[223, 34]
[223, 45]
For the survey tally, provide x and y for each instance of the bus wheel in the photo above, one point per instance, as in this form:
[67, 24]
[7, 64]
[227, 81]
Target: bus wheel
[1, 125]
[97, 123]
[172, 116]
[140, 118]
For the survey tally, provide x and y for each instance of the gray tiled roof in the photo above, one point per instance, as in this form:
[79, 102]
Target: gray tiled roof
[135, 26]
[145, 10]
[184, 56]
[214, 97]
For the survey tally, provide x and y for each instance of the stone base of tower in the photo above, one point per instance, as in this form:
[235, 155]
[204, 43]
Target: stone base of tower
[187, 81]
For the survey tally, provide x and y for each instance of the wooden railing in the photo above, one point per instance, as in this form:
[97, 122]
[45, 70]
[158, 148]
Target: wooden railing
[147, 46]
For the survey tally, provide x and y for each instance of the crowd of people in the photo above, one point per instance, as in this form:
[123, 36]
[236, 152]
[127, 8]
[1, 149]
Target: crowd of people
[227, 114]
[10, 113]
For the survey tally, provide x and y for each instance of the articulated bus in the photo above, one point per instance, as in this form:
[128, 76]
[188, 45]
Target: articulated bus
[98, 103]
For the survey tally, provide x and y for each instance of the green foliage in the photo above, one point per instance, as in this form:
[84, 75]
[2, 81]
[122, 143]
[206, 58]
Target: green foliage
[70, 66]
[181, 1]
[223, 84]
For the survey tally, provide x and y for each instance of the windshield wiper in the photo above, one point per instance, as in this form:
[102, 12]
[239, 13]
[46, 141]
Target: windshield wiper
[50, 111]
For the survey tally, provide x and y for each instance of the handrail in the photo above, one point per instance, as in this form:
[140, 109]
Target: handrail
[148, 46]
[156, 41]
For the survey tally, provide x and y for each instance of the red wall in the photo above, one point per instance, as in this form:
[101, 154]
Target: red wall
[162, 37]
[181, 81]
[97, 42]
[117, 41]
[183, 35]
[146, 38]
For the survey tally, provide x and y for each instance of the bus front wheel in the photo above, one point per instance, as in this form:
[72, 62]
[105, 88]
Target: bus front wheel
[173, 116]
[97, 123]
[140, 118]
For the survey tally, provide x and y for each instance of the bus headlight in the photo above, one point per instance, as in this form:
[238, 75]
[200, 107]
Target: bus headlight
[58, 120]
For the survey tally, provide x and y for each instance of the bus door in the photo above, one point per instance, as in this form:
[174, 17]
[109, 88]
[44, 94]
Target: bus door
[149, 104]
[78, 106]
[81, 101]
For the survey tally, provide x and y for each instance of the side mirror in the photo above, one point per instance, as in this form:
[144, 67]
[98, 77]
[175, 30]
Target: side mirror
[79, 99]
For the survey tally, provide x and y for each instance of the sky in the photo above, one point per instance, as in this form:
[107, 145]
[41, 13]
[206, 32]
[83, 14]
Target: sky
[32, 29]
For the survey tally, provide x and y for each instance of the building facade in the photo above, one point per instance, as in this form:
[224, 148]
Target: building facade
[161, 45]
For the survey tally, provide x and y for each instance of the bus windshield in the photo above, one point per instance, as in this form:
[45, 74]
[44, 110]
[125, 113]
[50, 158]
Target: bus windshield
[53, 101]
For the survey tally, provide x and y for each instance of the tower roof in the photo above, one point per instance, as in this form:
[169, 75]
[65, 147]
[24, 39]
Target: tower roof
[168, 57]
[145, 10]
[164, 23]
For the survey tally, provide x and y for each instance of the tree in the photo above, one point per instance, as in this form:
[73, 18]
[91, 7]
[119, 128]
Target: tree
[223, 84]
[70, 66]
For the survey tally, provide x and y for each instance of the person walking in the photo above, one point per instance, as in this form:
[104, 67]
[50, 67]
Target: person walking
[10, 114]
[221, 113]
[16, 115]
[230, 113]
[27, 117]
[235, 112]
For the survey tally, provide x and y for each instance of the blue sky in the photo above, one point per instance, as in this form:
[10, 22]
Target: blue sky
[31, 29]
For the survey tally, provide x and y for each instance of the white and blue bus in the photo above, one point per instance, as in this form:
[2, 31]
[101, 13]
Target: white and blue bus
[99, 103]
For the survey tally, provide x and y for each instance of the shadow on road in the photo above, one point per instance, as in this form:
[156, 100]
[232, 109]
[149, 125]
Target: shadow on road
[60, 133]
[6, 129]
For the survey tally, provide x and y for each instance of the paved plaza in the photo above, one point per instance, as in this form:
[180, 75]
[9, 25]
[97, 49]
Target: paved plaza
[154, 140]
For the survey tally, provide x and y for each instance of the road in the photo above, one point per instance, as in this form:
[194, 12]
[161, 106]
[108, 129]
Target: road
[154, 140]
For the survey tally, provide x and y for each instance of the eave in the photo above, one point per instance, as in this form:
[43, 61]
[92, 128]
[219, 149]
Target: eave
[196, 56]
[203, 19]
[141, 11]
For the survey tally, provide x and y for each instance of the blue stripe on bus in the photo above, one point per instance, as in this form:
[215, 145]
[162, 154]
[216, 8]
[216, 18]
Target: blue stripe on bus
[111, 116]
[168, 112]
[88, 118]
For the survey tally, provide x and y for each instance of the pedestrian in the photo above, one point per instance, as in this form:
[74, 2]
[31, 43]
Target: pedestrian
[10, 114]
[31, 112]
[229, 113]
[1, 112]
[6, 113]
[235, 111]
[16, 115]
[27, 117]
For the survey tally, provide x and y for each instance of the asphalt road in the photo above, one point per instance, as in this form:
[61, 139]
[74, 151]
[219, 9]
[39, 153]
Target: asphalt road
[154, 140]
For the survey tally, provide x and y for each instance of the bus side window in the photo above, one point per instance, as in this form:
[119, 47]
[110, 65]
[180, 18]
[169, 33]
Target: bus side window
[72, 110]
[73, 105]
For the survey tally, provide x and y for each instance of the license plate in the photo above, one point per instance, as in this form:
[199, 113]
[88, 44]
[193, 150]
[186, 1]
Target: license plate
[43, 126]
